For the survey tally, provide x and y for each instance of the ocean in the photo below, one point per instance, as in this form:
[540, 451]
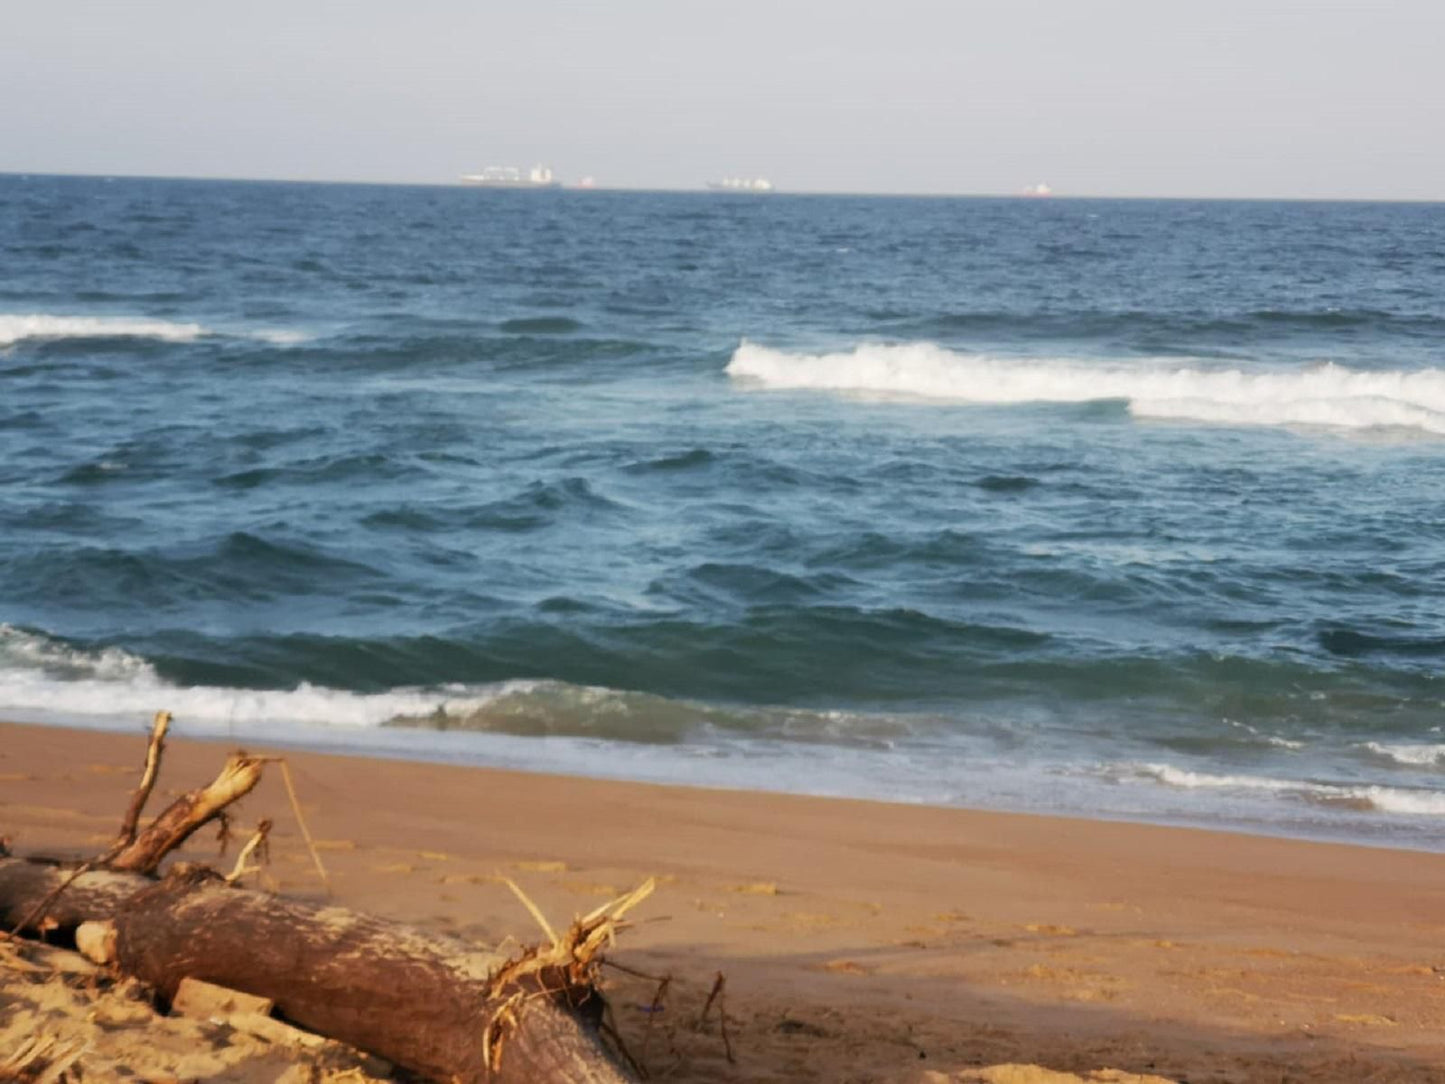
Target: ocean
[1119, 509]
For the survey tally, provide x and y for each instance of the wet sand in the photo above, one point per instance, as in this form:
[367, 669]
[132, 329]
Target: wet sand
[860, 941]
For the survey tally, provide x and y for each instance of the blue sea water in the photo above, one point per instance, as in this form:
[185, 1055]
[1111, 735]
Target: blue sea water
[1114, 508]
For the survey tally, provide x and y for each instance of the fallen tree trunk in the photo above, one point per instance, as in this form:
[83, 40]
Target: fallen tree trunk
[431, 1004]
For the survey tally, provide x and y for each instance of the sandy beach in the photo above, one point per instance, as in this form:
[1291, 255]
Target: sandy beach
[860, 941]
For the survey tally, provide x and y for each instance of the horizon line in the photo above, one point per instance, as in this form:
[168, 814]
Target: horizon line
[1021, 194]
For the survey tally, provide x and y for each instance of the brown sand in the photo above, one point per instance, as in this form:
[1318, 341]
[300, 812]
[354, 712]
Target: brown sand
[860, 941]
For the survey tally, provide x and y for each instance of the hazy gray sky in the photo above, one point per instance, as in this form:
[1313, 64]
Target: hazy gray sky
[1301, 98]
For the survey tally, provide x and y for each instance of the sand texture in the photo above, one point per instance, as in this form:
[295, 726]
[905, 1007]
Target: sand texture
[859, 941]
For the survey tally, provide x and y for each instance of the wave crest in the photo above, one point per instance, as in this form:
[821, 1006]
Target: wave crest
[1411, 755]
[1327, 395]
[27, 651]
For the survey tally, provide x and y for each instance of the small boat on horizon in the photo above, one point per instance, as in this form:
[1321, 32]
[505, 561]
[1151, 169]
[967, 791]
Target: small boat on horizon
[741, 184]
[538, 176]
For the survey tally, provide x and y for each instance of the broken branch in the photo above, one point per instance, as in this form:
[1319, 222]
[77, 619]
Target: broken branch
[154, 748]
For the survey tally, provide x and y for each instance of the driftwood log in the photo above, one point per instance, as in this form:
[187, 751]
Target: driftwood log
[431, 1004]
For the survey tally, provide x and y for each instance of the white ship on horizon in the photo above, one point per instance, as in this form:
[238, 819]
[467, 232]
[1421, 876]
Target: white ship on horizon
[741, 184]
[538, 176]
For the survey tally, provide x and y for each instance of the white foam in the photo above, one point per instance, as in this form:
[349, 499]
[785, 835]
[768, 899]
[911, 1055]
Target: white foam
[1180, 777]
[15, 328]
[1325, 395]
[279, 336]
[42, 677]
[1424, 756]
[1380, 798]
[1283, 743]
[1267, 739]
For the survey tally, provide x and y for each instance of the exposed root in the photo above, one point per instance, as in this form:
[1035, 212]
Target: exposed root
[607, 1026]
[256, 845]
[716, 994]
[652, 1011]
[499, 1028]
[565, 969]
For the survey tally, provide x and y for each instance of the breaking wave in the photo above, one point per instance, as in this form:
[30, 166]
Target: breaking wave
[1326, 395]
[42, 677]
[1415, 756]
[1370, 796]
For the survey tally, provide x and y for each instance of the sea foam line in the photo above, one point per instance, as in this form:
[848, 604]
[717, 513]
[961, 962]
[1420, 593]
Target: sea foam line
[1326, 395]
[18, 327]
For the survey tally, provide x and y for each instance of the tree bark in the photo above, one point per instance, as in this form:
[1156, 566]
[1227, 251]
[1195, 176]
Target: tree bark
[97, 894]
[431, 1004]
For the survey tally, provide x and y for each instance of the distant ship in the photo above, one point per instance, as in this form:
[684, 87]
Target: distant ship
[512, 177]
[1039, 190]
[741, 184]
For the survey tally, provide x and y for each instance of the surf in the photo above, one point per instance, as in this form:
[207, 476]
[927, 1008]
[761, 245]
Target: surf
[1327, 395]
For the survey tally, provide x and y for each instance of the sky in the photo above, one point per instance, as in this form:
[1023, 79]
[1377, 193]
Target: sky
[1266, 98]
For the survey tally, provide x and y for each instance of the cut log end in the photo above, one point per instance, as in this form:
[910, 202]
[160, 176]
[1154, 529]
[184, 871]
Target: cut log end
[96, 941]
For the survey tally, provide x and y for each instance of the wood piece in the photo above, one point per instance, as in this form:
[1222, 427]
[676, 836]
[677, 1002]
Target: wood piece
[155, 747]
[206, 999]
[187, 813]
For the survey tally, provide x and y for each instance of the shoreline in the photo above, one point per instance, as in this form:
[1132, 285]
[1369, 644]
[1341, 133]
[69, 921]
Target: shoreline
[861, 940]
[503, 751]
